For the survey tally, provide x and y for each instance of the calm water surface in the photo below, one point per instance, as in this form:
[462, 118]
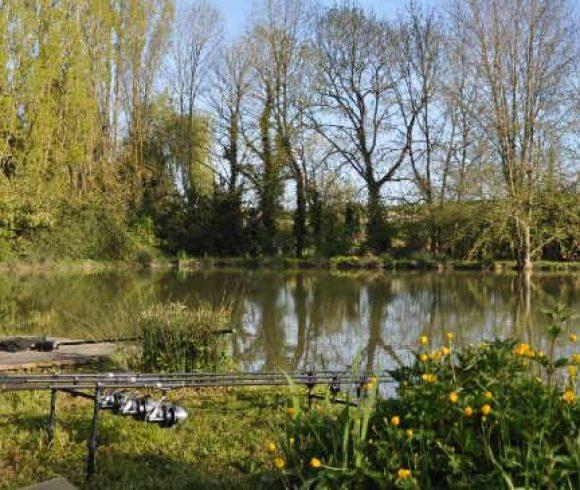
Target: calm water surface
[291, 320]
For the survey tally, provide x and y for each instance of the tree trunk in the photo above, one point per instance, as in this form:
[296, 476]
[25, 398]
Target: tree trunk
[377, 239]
[300, 216]
[524, 246]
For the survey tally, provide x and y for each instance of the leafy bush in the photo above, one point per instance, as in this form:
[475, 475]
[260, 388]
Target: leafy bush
[355, 262]
[176, 338]
[480, 418]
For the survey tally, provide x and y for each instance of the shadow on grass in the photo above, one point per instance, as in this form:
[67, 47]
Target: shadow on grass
[120, 469]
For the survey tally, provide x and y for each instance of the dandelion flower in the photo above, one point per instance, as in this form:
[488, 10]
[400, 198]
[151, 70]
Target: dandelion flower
[291, 441]
[395, 420]
[291, 411]
[424, 357]
[468, 411]
[488, 395]
[572, 371]
[572, 337]
[403, 473]
[576, 358]
[453, 397]
[429, 378]
[450, 336]
[315, 463]
[409, 433]
[569, 397]
[271, 447]
[424, 339]
[486, 409]
[279, 463]
[445, 351]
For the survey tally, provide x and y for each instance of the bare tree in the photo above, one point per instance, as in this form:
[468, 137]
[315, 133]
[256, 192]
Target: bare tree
[524, 52]
[420, 44]
[230, 87]
[359, 106]
[194, 44]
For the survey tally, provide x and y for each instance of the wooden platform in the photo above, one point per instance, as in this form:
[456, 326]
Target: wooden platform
[71, 355]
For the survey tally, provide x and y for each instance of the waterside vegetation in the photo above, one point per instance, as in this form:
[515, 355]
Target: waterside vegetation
[501, 414]
[133, 131]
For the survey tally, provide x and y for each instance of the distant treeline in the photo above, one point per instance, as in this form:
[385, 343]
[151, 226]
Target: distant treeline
[130, 128]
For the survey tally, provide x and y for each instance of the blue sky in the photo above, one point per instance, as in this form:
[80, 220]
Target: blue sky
[235, 11]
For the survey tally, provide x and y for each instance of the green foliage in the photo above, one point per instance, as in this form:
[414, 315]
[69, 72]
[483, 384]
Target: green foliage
[478, 418]
[176, 338]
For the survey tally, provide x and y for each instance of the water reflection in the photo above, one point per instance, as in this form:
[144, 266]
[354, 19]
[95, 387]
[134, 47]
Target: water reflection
[292, 320]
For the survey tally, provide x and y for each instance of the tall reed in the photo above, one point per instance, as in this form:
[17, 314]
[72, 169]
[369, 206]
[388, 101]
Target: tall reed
[178, 338]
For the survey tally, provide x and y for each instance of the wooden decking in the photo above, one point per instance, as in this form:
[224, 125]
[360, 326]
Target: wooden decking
[71, 355]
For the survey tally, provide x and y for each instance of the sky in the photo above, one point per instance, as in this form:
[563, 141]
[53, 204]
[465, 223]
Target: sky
[235, 12]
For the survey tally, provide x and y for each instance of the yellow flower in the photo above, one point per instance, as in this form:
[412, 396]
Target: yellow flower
[403, 473]
[468, 411]
[424, 339]
[373, 380]
[569, 397]
[486, 409]
[453, 397]
[488, 395]
[450, 336]
[523, 350]
[315, 463]
[572, 371]
[429, 378]
[395, 420]
[576, 358]
[573, 337]
[271, 447]
[291, 411]
[279, 463]
[409, 433]
[424, 357]
[435, 356]
[445, 351]
[291, 441]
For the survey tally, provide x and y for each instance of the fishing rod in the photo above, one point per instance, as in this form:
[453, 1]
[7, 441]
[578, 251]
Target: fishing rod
[112, 391]
[179, 380]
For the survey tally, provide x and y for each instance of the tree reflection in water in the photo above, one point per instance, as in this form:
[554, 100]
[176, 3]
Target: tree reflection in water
[294, 320]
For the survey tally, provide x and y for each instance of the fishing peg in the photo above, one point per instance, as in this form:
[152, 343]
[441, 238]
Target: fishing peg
[334, 387]
[310, 384]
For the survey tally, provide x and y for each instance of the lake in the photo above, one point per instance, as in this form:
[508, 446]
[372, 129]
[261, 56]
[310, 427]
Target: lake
[294, 319]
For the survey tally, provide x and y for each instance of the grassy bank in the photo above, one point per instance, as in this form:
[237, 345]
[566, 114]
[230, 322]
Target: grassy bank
[369, 262]
[220, 446]
[497, 415]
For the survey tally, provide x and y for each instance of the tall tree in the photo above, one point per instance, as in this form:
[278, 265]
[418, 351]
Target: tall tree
[525, 54]
[356, 110]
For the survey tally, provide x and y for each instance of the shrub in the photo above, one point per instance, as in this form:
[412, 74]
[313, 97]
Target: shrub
[480, 418]
[176, 338]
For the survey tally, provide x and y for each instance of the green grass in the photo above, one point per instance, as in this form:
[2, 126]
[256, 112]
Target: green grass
[221, 445]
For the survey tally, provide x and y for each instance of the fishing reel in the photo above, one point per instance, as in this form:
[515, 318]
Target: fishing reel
[166, 414]
[143, 408]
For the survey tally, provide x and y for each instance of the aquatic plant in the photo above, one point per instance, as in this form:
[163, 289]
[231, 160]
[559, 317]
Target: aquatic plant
[178, 338]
